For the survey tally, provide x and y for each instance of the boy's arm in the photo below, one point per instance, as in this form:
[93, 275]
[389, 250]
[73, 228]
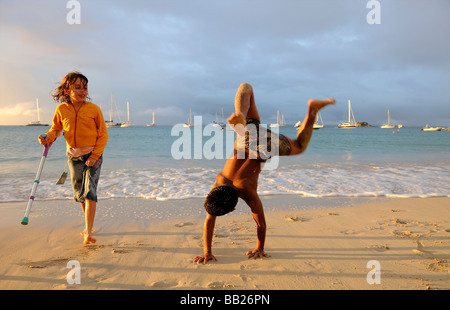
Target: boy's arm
[208, 232]
[256, 206]
[56, 129]
[102, 136]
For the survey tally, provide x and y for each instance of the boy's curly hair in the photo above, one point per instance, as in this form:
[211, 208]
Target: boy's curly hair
[60, 94]
[221, 200]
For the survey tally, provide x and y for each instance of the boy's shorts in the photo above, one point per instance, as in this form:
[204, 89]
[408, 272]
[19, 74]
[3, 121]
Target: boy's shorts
[263, 141]
[84, 178]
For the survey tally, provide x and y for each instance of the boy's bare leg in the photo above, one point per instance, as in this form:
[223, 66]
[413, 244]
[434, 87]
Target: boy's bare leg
[304, 132]
[83, 207]
[245, 107]
[89, 207]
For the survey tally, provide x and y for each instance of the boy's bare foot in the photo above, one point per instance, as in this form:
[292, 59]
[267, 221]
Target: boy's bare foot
[83, 232]
[88, 239]
[236, 118]
[319, 104]
[237, 122]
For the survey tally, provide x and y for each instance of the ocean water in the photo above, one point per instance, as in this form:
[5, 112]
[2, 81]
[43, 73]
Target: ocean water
[143, 162]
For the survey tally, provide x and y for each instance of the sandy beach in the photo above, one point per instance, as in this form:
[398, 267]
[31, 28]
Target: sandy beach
[324, 248]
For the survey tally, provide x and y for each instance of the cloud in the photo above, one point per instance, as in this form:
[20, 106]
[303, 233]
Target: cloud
[194, 54]
[25, 110]
[19, 109]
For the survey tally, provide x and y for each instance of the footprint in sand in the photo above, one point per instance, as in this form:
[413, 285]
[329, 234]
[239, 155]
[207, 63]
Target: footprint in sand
[244, 278]
[220, 236]
[399, 222]
[405, 234]
[438, 265]
[184, 224]
[220, 285]
[91, 247]
[46, 263]
[350, 232]
[294, 219]
[379, 247]
[36, 266]
[119, 251]
[141, 244]
[163, 284]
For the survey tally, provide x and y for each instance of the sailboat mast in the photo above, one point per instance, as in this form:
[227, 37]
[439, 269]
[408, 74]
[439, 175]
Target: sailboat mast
[37, 106]
[128, 111]
[353, 117]
[349, 110]
[111, 111]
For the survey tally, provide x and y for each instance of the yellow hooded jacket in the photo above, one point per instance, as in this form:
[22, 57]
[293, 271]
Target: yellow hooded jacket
[83, 128]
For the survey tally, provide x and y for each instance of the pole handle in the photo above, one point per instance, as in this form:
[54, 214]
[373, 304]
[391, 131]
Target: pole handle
[46, 147]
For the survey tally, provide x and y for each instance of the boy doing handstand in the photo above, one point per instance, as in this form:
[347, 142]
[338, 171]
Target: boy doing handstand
[239, 177]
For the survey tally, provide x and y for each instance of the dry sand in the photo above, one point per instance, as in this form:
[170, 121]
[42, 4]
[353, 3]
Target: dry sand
[310, 249]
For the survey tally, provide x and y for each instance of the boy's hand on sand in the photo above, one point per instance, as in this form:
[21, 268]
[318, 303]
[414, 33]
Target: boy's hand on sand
[204, 258]
[237, 123]
[257, 253]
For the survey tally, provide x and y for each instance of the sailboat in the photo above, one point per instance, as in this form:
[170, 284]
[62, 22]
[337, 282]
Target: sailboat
[189, 123]
[217, 124]
[127, 123]
[110, 123]
[351, 119]
[298, 124]
[279, 123]
[38, 122]
[429, 128]
[388, 125]
[152, 123]
[316, 123]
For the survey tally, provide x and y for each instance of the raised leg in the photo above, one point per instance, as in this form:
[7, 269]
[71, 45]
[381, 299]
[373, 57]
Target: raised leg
[244, 106]
[304, 132]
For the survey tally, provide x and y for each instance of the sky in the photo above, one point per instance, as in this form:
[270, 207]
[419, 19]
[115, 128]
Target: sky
[174, 55]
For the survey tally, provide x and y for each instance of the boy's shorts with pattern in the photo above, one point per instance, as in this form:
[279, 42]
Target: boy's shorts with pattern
[263, 140]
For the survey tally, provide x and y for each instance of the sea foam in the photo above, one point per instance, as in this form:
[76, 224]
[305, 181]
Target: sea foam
[195, 182]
